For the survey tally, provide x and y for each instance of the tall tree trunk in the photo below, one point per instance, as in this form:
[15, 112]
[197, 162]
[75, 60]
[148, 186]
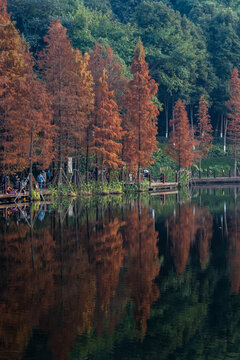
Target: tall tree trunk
[139, 141]
[138, 176]
[225, 135]
[109, 176]
[30, 165]
[235, 157]
[60, 129]
[87, 157]
[31, 237]
[166, 117]
[217, 126]
[173, 115]
[191, 117]
[102, 175]
[221, 131]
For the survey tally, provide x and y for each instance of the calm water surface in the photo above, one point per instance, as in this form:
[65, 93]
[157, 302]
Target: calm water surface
[150, 278]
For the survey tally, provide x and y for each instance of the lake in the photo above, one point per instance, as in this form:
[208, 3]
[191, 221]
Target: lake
[152, 277]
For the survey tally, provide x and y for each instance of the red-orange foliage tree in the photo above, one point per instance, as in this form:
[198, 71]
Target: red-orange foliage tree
[84, 96]
[204, 130]
[234, 115]
[180, 146]
[141, 117]
[108, 131]
[57, 64]
[102, 58]
[25, 114]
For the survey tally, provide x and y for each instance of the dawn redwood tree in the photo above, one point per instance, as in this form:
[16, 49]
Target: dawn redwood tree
[84, 97]
[57, 65]
[101, 58]
[234, 115]
[37, 130]
[12, 71]
[180, 147]
[25, 113]
[204, 130]
[108, 131]
[141, 117]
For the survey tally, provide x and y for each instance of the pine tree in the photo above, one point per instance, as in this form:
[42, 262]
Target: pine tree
[204, 130]
[234, 115]
[141, 117]
[108, 131]
[180, 146]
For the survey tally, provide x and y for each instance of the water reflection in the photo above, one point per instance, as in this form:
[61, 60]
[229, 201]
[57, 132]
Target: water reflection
[234, 248]
[140, 239]
[67, 278]
[83, 280]
[187, 226]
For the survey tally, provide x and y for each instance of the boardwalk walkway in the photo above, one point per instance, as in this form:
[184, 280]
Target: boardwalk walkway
[10, 198]
[158, 186]
[215, 181]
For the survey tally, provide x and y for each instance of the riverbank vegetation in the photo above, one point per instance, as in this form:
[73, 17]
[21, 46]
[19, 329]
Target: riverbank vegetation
[100, 93]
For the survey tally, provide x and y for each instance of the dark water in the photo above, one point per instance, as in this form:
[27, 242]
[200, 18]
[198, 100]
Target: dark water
[150, 278]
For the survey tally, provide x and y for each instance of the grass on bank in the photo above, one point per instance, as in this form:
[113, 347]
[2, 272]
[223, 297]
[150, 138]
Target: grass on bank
[217, 160]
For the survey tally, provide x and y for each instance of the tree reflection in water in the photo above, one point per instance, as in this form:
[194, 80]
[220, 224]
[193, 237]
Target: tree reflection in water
[90, 280]
[68, 283]
[187, 225]
[234, 249]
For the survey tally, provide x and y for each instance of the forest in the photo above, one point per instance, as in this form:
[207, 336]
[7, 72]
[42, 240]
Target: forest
[108, 83]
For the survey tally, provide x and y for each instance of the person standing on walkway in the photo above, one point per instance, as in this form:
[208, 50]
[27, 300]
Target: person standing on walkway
[44, 174]
[40, 180]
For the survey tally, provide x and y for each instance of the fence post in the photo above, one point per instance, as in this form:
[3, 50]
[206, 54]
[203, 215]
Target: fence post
[223, 173]
[208, 173]
[176, 177]
[215, 174]
[200, 174]
[163, 178]
[193, 173]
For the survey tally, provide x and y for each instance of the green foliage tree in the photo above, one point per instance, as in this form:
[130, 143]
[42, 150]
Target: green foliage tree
[33, 17]
[89, 26]
[176, 53]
